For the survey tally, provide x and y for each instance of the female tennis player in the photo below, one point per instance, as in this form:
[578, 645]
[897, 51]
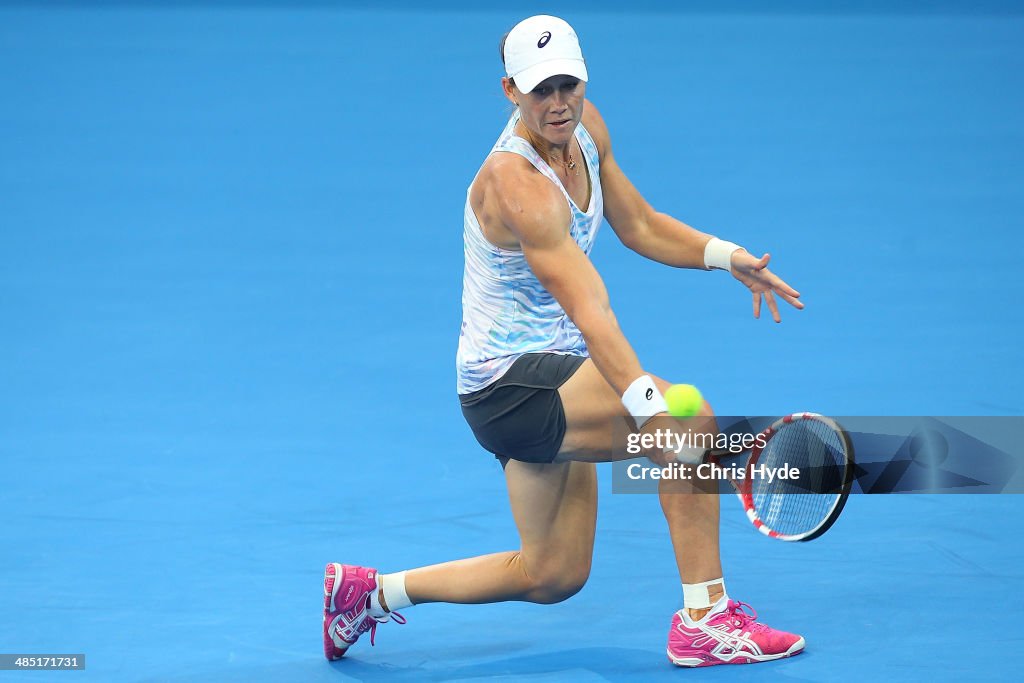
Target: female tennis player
[544, 370]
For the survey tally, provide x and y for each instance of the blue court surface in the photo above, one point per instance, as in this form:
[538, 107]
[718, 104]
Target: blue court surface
[230, 276]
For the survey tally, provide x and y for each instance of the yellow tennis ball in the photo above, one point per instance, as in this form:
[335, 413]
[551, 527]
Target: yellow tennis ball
[684, 400]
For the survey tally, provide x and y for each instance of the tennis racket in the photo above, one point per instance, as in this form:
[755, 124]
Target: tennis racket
[801, 508]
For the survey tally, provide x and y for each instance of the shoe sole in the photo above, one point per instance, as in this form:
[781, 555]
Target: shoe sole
[331, 651]
[794, 649]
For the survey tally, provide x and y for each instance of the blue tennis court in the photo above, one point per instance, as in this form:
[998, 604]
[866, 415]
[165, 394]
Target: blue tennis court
[230, 276]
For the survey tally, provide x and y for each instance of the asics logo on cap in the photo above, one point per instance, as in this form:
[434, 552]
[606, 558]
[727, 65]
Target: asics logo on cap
[532, 54]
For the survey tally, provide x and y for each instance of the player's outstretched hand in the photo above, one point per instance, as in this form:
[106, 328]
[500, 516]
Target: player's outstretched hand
[753, 272]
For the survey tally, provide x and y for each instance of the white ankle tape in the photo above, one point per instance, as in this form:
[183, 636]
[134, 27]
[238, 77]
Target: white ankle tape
[394, 591]
[697, 596]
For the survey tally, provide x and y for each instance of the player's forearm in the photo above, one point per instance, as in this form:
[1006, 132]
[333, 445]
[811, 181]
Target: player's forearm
[609, 349]
[670, 241]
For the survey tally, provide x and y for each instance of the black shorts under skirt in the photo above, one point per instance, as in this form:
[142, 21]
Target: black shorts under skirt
[520, 416]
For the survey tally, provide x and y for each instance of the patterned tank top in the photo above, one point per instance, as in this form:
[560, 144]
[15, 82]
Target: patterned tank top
[506, 311]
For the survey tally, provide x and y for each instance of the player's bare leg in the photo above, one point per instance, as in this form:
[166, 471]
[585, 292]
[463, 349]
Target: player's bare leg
[592, 408]
[555, 509]
[711, 629]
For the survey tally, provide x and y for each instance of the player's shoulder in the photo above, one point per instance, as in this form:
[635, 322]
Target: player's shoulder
[525, 199]
[595, 125]
[512, 177]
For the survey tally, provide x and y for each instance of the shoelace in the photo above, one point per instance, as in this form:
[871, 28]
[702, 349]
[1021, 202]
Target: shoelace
[742, 617]
[370, 623]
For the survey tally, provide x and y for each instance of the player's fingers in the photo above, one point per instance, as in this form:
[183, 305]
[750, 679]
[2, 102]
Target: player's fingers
[782, 288]
[791, 300]
[757, 305]
[773, 306]
[762, 262]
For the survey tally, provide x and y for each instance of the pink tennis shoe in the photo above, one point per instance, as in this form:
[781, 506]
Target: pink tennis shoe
[732, 636]
[347, 591]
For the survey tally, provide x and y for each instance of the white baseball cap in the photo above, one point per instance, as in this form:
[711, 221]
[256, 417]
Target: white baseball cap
[541, 47]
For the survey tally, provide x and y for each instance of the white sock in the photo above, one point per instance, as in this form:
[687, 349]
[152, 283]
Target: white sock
[393, 587]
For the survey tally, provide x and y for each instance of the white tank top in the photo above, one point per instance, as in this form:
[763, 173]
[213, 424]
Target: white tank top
[506, 311]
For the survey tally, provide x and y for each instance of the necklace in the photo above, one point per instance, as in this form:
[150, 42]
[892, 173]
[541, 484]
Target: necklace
[571, 164]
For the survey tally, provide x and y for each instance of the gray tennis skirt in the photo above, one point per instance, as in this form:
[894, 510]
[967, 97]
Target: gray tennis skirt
[520, 416]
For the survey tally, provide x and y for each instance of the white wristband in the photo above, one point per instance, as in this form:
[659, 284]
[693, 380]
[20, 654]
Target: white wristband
[643, 400]
[718, 254]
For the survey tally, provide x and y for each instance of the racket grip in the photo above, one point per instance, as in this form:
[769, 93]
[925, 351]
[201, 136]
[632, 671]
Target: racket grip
[689, 455]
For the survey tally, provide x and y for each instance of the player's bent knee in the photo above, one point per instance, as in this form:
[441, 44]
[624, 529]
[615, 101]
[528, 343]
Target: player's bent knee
[706, 410]
[558, 591]
[557, 586]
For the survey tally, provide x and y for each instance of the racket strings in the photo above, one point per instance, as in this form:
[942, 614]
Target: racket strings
[798, 505]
